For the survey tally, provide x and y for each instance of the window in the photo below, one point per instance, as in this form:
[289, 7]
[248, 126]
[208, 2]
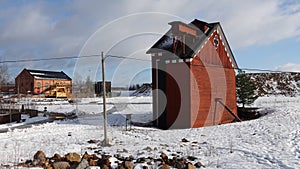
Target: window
[38, 84]
[46, 84]
[216, 41]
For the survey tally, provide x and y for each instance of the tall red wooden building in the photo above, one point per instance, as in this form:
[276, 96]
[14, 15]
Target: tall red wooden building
[193, 76]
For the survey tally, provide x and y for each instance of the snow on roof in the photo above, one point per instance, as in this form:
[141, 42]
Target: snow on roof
[41, 74]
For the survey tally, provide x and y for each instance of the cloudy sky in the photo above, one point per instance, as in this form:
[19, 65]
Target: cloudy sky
[263, 34]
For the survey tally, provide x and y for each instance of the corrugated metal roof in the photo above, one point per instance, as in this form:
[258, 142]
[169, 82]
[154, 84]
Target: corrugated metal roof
[42, 74]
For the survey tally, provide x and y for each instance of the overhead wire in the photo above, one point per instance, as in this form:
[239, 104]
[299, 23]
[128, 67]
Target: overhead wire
[68, 57]
[138, 59]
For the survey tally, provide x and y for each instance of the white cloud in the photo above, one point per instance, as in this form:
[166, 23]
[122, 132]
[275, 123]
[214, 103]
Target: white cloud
[289, 67]
[49, 29]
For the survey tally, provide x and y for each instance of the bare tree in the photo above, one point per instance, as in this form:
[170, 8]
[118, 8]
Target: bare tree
[4, 76]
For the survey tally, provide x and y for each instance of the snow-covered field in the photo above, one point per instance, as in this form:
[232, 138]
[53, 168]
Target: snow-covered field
[272, 141]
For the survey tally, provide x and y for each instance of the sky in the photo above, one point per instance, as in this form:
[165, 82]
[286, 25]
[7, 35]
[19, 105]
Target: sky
[263, 34]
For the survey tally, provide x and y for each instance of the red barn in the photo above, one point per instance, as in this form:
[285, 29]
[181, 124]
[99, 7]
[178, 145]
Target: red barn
[193, 77]
[38, 81]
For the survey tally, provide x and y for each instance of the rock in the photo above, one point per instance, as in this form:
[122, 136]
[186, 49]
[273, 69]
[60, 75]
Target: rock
[119, 157]
[148, 148]
[103, 162]
[120, 166]
[61, 165]
[130, 158]
[24, 165]
[128, 165]
[95, 157]
[125, 151]
[92, 162]
[56, 158]
[179, 165]
[198, 165]
[141, 160]
[49, 167]
[39, 158]
[87, 156]
[104, 167]
[164, 157]
[73, 157]
[184, 140]
[190, 166]
[93, 141]
[83, 164]
[192, 158]
[29, 162]
[164, 166]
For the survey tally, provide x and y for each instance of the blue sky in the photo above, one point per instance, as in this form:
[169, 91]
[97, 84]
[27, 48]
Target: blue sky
[263, 34]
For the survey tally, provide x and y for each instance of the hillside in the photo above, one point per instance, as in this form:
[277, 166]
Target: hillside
[287, 84]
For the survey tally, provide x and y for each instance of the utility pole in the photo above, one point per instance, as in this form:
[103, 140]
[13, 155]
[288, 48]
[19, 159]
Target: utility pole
[105, 141]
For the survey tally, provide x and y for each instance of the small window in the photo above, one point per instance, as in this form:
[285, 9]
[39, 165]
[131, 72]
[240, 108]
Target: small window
[216, 41]
[46, 84]
[38, 84]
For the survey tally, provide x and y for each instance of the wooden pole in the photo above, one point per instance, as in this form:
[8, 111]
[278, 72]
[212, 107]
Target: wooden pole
[105, 141]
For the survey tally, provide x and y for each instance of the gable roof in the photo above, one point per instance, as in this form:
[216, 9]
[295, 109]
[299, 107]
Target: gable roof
[203, 31]
[42, 74]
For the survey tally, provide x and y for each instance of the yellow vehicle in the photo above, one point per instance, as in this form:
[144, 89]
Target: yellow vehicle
[57, 91]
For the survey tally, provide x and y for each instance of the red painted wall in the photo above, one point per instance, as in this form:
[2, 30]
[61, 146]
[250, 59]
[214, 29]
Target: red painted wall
[24, 82]
[193, 87]
[214, 78]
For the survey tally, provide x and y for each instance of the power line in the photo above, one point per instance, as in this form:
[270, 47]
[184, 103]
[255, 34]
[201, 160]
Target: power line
[245, 69]
[68, 57]
[46, 59]
[126, 57]
[132, 58]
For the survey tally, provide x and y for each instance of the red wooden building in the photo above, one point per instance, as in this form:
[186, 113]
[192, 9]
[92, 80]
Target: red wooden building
[193, 77]
[37, 81]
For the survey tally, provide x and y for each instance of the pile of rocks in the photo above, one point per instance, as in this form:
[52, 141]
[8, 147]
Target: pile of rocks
[75, 161]
[68, 161]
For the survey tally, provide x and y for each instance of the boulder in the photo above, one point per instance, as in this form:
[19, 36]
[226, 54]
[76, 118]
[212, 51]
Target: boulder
[179, 165]
[87, 156]
[73, 157]
[164, 157]
[164, 166]
[92, 162]
[39, 158]
[141, 160]
[184, 140]
[120, 166]
[190, 166]
[56, 158]
[93, 141]
[49, 167]
[95, 157]
[198, 165]
[128, 165]
[61, 165]
[104, 167]
[192, 158]
[83, 164]
[104, 162]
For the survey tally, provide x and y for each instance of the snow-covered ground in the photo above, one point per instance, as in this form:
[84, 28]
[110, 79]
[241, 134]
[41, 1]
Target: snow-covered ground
[272, 141]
